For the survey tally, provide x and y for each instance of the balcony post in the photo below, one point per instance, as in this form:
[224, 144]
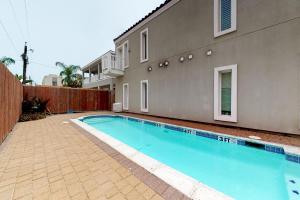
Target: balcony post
[99, 71]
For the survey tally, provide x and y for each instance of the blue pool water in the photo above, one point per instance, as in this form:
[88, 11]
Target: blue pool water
[239, 171]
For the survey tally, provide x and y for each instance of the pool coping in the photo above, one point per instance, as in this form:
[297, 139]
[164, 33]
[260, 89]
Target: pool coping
[185, 184]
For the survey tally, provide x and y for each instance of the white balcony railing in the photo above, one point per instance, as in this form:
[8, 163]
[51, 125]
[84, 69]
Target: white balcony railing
[111, 67]
[86, 81]
[95, 79]
[109, 61]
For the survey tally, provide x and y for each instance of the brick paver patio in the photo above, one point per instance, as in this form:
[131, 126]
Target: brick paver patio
[54, 159]
[50, 159]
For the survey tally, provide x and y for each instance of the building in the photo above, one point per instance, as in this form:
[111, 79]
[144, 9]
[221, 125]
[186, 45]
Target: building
[101, 73]
[52, 80]
[227, 62]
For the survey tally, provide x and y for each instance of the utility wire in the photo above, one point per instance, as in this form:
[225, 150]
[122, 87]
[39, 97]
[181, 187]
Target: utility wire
[16, 19]
[26, 18]
[9, 38]
[38, 63]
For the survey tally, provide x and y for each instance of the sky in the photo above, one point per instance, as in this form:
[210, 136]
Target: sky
[70, 31]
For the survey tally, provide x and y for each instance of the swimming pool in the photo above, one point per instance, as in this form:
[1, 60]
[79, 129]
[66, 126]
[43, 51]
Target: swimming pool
[233, 166]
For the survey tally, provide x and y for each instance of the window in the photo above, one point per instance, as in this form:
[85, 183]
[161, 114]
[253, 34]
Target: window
[224, 16]
[126, 54]
[144, 45]
[123, 55]
[144, 96]
[225, 93]
[120, 57]
[125, 96]
[54, 81]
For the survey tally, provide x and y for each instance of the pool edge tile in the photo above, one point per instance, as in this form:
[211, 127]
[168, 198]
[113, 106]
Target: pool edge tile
[269, 146]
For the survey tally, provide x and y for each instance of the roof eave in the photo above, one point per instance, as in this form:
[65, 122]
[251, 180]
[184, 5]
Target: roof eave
[156, 12]
[96, 60]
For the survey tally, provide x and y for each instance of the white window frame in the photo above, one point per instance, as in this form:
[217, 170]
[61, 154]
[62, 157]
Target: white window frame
[217, 18]
[124, 55]
[126, 107]
[122, 47]
[141, 45]
[217, 94]
[143, 109]
[120, 61]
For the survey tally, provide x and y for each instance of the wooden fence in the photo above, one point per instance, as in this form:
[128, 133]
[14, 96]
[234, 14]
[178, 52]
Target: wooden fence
[11, 96]
[63, 100]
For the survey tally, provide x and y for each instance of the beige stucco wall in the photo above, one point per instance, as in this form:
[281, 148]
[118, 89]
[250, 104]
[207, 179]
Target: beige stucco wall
[266, 47]
[47, 80]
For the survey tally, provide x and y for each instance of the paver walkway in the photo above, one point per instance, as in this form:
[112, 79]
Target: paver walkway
[50, 159]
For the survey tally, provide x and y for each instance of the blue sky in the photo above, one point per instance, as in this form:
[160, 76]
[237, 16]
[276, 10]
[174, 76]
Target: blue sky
[70, 31]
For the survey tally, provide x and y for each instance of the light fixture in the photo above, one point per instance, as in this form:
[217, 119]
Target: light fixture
[190, 56]
[181, 59]
[209, 53]
[149, 69]
[161, 65]
[166, 63]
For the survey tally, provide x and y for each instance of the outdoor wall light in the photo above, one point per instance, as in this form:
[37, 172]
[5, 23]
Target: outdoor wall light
[190, 56]
[166, 63]
[182, 59]
[161, 65]
[209, 53]
[149, 69]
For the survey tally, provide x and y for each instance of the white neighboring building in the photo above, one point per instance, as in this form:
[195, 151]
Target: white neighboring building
[52, 80]
[101, 72]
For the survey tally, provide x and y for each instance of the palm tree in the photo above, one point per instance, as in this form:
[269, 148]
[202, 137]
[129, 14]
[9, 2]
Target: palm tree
[7, 61]
[77, 83]
[69, 74]
[20, 78]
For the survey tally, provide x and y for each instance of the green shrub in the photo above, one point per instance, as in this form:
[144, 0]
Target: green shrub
[34, 109]
[34, 105]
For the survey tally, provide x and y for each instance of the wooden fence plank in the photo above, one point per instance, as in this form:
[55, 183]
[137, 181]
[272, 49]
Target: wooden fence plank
[63, 100]
[11, 97]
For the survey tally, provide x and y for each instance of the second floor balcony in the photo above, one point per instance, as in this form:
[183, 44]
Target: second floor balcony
[97, 81]
[101, 71]
[110, 66]
[95, 78]
[103, 67]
